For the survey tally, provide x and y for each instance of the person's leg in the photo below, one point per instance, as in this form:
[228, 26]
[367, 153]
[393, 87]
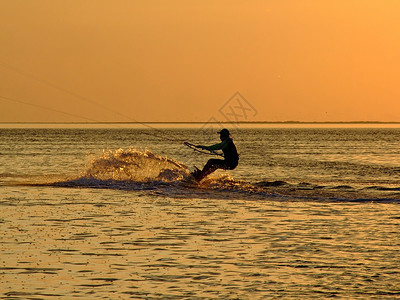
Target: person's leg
[212, 165]
[231, 165]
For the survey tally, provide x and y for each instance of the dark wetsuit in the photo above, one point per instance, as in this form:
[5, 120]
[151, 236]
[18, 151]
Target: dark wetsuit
[229, 163]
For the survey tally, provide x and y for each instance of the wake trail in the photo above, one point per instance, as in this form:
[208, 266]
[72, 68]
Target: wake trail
[136, 170]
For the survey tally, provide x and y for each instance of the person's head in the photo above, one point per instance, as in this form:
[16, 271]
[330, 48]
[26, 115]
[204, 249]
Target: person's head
[224, 134]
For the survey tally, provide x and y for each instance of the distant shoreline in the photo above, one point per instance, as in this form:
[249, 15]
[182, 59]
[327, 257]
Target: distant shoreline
[198, 122]
[196, 125]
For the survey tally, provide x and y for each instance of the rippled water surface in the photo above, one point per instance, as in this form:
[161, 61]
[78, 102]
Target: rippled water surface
[121, 244]
[296, 220]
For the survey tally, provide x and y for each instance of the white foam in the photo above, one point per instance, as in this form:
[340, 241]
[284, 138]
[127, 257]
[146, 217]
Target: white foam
[135, 165]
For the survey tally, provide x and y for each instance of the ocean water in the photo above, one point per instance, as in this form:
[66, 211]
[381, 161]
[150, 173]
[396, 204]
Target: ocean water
[113, 213]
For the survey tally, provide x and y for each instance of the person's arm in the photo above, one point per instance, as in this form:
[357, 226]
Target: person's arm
[219, 146]
[216, 146]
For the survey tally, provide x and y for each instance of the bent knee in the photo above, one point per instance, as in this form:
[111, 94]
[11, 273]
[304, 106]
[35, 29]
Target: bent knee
[232, 165]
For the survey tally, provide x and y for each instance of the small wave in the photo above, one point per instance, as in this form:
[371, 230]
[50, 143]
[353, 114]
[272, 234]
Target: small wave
[382, 188]
[342, 187]
[271, 183]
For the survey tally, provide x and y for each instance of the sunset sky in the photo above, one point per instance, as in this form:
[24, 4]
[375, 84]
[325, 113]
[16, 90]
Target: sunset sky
[182, 60]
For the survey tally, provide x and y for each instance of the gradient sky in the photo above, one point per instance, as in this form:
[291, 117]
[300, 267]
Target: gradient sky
[181, 60]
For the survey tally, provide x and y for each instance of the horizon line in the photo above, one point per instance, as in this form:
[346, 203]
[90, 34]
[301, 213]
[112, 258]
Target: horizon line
[212, 122]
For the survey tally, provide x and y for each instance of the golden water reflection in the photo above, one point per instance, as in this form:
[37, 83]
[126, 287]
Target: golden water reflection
[116, 244]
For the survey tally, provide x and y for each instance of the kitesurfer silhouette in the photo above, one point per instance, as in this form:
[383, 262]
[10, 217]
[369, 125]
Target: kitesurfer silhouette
[231, 156]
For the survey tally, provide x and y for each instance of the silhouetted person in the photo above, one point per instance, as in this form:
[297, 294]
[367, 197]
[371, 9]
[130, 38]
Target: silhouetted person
[231, 157]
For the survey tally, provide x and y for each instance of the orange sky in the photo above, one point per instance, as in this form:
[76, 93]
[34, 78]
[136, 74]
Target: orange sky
[181, 60]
